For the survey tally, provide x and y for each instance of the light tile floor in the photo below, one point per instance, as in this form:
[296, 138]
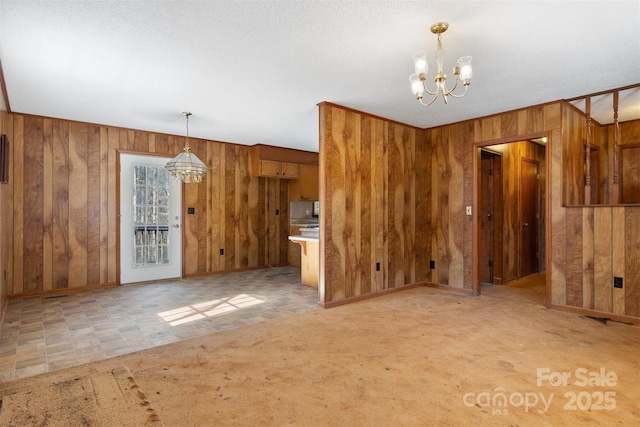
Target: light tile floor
[42, 334]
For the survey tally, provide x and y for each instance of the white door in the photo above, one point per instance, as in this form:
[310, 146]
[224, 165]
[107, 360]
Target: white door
[150, 226]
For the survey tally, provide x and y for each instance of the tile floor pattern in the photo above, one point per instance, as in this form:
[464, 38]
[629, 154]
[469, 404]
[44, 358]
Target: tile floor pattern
[42, 334]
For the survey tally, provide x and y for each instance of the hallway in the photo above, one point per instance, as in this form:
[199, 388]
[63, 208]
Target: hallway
[530, 289]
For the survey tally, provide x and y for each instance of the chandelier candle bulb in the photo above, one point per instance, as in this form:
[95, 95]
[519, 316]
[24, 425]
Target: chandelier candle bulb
[420, 62]
[466, 72]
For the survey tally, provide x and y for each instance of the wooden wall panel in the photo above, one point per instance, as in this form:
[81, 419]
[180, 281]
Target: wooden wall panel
[64, 208]
[468, 197]
[632, 260]
[396, 210]
[379, 198]
[367, 256]
[112, 140]
[587, 258]
[556, 218]
[574, 263]
[456, 208]
[78, 221]
[47, 205]
[618, 227]
[341, 125]
[441, 212]
[603, 268]
[573, 156]
[371, 197]
[60, 201]
[33, 208]
[104, 205]
[6, 215]
[422, 208]
[94, 194]
[352, 209]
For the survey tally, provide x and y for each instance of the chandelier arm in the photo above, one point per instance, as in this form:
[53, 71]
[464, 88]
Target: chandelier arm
[436, 92]
[462, 94]
[449, 91]
[435, 96]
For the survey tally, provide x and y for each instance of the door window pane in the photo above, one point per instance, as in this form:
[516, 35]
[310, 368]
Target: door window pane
[150, 215]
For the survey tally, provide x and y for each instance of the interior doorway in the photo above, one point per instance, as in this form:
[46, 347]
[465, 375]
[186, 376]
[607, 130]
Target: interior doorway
[510, 227]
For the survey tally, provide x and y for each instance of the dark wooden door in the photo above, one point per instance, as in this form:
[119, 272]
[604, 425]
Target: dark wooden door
[490, 218]
[529, 208]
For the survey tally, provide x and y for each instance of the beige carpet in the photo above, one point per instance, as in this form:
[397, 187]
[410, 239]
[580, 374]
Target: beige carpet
[415, 358]
[104, 399]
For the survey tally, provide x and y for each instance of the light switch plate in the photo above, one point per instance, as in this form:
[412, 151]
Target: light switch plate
[468, 210]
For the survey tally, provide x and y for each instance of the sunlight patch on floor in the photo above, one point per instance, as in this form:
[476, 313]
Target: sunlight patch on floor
[206, 309]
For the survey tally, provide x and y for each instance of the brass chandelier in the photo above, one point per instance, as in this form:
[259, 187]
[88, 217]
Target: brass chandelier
[463, 72]
[186, 166]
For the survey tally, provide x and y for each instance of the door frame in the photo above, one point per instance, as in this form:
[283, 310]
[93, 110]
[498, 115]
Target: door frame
[117, 213]
[547, 206]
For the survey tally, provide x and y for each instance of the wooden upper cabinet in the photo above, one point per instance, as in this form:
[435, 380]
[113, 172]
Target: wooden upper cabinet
[269, 168]
[306, 187]
[275, 169]
[289, 170]
[308, 182]
[276, 162]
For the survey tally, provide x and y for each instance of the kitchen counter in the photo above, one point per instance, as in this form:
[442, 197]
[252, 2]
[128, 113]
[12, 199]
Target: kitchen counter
[310, 259]
[304, 222]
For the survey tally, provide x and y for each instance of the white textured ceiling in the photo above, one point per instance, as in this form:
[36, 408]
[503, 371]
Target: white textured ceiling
[253, 71]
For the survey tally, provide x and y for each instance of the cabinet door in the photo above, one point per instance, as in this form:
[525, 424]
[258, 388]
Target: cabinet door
[308, 182]
[289, 170]
[269, 168]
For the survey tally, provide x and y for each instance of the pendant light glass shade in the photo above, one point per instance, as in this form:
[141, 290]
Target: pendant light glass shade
[186, 166]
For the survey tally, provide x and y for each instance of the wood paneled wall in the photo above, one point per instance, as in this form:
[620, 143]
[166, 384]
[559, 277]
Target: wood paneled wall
[5, 209]
[396, 195]
[374, 199]
[450, 173]
[63, 189]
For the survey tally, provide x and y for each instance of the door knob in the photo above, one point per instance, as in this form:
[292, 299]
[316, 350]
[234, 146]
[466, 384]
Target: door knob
[176, 226]
[526, 224]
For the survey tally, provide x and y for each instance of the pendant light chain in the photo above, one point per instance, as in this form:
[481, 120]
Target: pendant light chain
[186, 143]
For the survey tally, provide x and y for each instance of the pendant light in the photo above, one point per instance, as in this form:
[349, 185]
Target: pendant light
[186, 166]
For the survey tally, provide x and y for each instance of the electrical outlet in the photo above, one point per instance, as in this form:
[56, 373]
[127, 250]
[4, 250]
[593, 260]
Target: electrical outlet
[221, 251]
[432, 264]
[377, 266]
[191, 211]
[617, 282]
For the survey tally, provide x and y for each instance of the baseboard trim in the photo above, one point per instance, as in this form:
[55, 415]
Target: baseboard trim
[332, 304]
[587, 312]
[62, 290]
[449, 288]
